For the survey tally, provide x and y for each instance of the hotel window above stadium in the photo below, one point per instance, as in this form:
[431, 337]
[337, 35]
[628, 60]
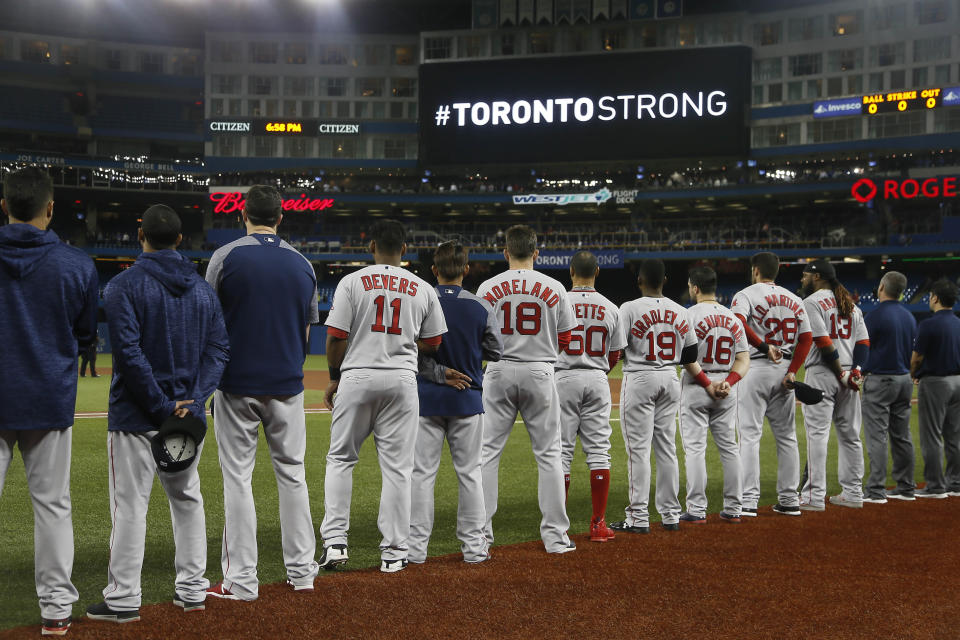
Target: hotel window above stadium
[768, 69]
[295, 52]
[846, 24]
[151, 62]
[369, 87]
[35, 51]
[806, 64]
[404, 55]
[262, 85]
[613, 39]
[844, 60]
[768, 33]
[437, 48]
[541, 42]
[70, 54]
[930, 49]
[264, 52]
[473, 46]
[931, 11]
[890, 16]
[334, 54]
[334, 86]
[885, 55]
[372, 55]
[227, 52]
[806, 28]
[298, 86]
[185, 64]
[403, 87]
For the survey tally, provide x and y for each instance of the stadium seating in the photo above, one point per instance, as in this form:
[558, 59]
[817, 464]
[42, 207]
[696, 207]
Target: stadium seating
[36, 108]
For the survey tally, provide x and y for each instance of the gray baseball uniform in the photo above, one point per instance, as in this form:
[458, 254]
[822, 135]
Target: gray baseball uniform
[655, 331]
[382, 310]
[582, 385]
[840, 404]
[720, 337]
[778, 318]
[533, 309]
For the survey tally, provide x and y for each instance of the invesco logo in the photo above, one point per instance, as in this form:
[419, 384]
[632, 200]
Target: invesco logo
[864, 190]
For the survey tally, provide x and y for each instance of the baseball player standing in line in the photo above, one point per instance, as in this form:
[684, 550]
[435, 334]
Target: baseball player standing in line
[382, 316]
[887, 392]
[48, 293]
[658, 336]
[769, 310]
[935, 363]
[536, 320]
[582, 385]
[453, 408]
[834, 367]
[269, 297]
[170, 347]
[724, 356]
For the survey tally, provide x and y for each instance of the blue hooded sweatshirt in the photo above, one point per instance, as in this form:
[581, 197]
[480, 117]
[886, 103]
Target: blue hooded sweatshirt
[168, 338]
[48, 308]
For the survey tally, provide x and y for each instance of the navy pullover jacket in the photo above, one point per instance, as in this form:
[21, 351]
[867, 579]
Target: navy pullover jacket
[892, 331]
[48, 308]
[168, 338]
[473, 334]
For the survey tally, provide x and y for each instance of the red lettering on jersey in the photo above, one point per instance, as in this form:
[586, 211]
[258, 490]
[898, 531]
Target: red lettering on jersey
[669, 316]
[505, 286]
[683, 328]
[600, 309]
[375, 278]
[545, 295]
[535, 292]
[827, 303]
[367, 283]
[412, 288]
[393, 283]
[552, 302]
[403, 285]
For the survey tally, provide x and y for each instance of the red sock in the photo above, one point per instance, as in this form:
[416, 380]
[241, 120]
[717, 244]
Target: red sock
[599, 489]
[566, 486]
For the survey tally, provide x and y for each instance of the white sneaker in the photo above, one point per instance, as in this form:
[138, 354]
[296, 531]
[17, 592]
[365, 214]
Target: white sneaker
[875, 500]
[392, 566]
[842, 501]
[333, 556]
[807, 506]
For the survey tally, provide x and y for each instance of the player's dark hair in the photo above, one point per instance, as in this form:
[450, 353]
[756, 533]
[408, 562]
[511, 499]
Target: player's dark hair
[945, 291]
[389, 236]
[521, 241]
[653, 272]
[161, 226]
[263, 205]
[584, 264]
[27, 192]
[768, 264]
[704, 278]
[450, 260]
[894, 284]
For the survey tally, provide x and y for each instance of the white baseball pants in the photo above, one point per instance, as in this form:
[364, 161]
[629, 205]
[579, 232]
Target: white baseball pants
[46, 461]
[585, 411]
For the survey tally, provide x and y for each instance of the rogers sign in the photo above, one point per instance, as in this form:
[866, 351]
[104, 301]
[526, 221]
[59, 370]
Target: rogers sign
[865, 189]
[233, 201]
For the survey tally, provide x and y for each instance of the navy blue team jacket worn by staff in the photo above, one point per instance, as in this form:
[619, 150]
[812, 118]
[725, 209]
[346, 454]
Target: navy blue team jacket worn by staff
[938, 341]
[269, 296]
[892, 331]
[168, 337]
[473, 335]
[48, 309]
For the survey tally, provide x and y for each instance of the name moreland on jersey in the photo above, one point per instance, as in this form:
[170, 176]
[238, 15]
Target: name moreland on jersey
[533, 309]
[596, 335]
[384, 310]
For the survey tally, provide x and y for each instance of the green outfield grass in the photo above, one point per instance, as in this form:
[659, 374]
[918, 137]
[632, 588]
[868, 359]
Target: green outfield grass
[517, 520]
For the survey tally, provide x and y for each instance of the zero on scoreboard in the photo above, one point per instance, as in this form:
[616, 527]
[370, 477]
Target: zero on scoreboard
[895, 101]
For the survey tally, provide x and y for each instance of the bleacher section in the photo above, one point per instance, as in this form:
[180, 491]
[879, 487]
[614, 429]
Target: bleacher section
[126, 116]
[34, 109]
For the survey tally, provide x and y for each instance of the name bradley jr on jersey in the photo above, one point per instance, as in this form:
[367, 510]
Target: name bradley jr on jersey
[655, 316]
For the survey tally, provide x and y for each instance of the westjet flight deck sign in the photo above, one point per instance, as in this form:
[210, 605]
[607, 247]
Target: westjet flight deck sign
[581, 108]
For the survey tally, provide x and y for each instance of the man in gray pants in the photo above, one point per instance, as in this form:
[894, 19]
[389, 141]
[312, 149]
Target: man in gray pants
[936, 364]
[887, 392]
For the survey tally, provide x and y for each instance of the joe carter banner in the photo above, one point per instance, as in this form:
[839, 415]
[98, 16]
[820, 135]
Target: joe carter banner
[561, 259]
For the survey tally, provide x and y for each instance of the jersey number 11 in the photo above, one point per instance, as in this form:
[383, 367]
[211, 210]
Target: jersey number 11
[394, 328]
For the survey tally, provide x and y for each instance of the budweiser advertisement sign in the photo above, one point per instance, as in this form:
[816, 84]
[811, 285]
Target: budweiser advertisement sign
[233, 201]
[867, 189]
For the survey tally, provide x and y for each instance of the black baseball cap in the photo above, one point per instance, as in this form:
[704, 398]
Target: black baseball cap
[823, 267]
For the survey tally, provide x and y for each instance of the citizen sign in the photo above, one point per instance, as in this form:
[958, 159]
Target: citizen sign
[233, 201]
[339, 128]
[865, 189]
[230, 126]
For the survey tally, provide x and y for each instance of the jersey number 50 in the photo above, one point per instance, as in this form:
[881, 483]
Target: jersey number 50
[577, 340]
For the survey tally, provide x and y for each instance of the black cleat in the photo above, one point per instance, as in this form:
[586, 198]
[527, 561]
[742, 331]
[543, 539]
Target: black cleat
[624, 527]
[785, 510]
[101, 611]
[671, 526]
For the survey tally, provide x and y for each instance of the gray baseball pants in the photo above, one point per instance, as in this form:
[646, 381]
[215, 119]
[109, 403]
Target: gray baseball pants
[886, 409]
[46, 461]
[131, 468]
[384, 403]
[585, 411]
[760, 395]
[700, 414]
[236, 423]
[464, 434]
[939, 403]
[842, 406]
[649, 401]
[509, 387]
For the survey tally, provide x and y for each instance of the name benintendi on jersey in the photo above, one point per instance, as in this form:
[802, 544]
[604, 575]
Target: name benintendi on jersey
[519, 286]
[719, 321]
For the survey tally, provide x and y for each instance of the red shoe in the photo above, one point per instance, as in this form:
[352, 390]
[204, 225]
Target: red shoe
[600, 532]
[220, 591]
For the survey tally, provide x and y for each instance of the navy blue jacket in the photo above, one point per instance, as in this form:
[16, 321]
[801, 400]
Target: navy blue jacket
[473, 334]
[938, 341]
[168, 339]
[48, 311]
[892, 331]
